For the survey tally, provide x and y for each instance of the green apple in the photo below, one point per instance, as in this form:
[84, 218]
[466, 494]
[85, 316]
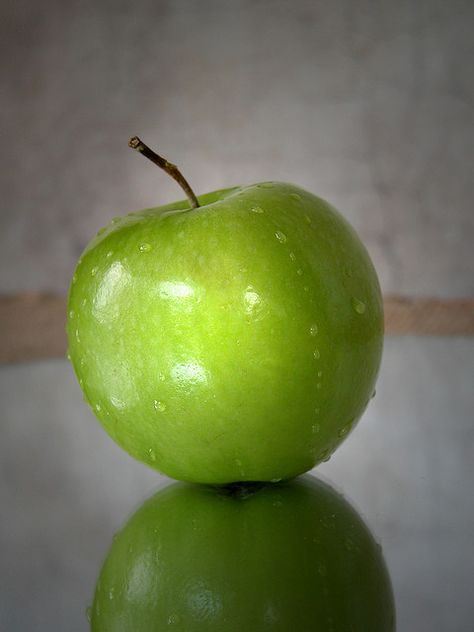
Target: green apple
[289, 557]
[236, 341]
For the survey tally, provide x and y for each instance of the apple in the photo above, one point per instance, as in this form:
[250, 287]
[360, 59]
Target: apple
[238, 340]
[294, 556]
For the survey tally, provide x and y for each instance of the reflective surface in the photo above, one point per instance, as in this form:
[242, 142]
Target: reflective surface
[66, 488]
[288, 556]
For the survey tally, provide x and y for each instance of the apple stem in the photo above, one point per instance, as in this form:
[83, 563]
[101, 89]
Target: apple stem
[172, 170]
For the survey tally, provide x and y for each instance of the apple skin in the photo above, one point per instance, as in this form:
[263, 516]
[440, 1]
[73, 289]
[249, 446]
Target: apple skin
[292, 556]
[237, 341]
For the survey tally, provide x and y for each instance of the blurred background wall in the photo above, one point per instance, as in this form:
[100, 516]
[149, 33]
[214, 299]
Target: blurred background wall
[369, 105]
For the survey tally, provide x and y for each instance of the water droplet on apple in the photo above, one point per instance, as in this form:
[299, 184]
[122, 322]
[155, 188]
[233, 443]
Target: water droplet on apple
[173, 618]
[89, 613]
[77, 336]
[109, 254]
[295, 196]
[83, 362]
[299, 272]
[317, 411]
[94, 271]
[344, 430]
[98, 407]
[84, 302]
[81, 382]
[275, 480]
[111, 593]
[238, 463]
[161, 377]
[71, 313]
[292, 256]
[280, 236]
[115, 220]
[313, 330]
[319, 386]
[152, 454]
[358, 305]
[68, 356]
[349, 545]
[320, 373]
[316, 354]
[256, 209]
[74, 277]
[315, 428]
[145, 247]
[159, 406]
[373, 394]
[117, 403]
[325, 456]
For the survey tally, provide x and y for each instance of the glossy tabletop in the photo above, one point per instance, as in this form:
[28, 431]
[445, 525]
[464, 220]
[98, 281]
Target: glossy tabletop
[66, 488]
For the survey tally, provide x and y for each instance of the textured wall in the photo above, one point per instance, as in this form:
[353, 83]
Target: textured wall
[366, 104]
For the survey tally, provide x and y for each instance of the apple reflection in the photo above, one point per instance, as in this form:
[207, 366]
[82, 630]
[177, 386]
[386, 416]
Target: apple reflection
[293, 556]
